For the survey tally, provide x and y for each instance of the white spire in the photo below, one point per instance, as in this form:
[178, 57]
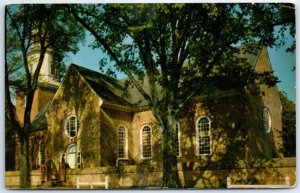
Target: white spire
[47, 74]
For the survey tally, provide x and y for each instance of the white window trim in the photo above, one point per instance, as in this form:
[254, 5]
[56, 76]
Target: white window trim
[267, 130]
[178, 136]
[141, 142]
[67, 155]
[126, 142]
[40, 153]
[79, 165]
[197, 137]
[76, 122]
[76, 156]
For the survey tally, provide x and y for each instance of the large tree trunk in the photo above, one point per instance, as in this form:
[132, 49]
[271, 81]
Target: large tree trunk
[24, 162]
[170, 170]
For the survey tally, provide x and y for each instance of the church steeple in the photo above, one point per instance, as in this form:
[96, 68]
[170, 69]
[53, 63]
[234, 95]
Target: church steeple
[47, 86]
[47, 74]
[47, 83]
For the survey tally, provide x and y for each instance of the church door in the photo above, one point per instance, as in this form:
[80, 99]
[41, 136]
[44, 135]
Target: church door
[71, 156]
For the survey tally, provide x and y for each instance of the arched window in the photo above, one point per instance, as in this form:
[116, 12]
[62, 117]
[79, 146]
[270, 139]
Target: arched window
[146, 142]
[71, 126]
[122, 142]
[73, 157]
[267, 120]
[42, 156]
[177, 139]
[203, 135]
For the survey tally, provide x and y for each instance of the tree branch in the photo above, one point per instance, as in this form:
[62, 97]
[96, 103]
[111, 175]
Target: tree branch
[14, 24]
[10, 109]
[150, 68]
[22, 44]
[112, 54]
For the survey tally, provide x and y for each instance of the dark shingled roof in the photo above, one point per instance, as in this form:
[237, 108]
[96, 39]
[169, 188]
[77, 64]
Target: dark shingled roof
[114, 91]
[109, 89]
[40, 121]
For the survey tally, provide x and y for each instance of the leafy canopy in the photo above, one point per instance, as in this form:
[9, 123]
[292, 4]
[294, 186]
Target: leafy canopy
[186, 48]
[31, 28]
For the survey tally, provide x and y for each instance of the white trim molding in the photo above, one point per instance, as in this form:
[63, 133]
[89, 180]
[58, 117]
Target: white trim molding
[203, 135]
[148, 141]
[68, 126]
[267, 122]
[178, 134]
[125, 145]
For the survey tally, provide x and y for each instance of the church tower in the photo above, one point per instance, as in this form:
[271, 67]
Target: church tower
[47, 84]
[47, 72]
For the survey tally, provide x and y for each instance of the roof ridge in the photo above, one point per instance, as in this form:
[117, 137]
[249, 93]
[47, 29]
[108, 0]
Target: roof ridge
[105, 87]
[93, 71]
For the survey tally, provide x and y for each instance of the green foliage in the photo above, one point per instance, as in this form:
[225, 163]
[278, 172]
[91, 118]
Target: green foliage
[264, 17]
[288, 126]
[158, 40]
[14, 63]
[33, 28]
[186, 49]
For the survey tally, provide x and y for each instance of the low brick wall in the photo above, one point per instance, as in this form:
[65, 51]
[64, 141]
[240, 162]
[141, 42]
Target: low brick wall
[12, 179]
[127, 177]
[257, 176]
[131, 177]
[198, 177]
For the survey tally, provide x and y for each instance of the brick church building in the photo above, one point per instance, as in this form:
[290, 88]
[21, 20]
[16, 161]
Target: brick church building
[91, 126]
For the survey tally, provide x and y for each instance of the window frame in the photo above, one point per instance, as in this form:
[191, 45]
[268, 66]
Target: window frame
[141, 142]
[125, 141]
[77, 126]
[198, 136]
[42, 154]
[77, 156]
[266, 110]
[78, 160]
[178, 134]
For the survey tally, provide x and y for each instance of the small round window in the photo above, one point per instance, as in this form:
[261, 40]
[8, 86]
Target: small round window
[267, 120]
[72, 126]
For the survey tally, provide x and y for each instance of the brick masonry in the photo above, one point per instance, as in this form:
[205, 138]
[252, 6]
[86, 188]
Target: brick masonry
[141, 177]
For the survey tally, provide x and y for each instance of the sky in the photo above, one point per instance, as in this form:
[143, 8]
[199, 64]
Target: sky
[282, 63]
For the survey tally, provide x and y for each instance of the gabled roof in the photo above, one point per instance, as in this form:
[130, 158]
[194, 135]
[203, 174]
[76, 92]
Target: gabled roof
[108, 89]
[114, 91]
[251, 56]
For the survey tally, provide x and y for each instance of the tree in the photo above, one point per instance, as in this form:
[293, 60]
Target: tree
[270, 16]
[15, 74]
[288, 126]
[186, 49]
[29, 27]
